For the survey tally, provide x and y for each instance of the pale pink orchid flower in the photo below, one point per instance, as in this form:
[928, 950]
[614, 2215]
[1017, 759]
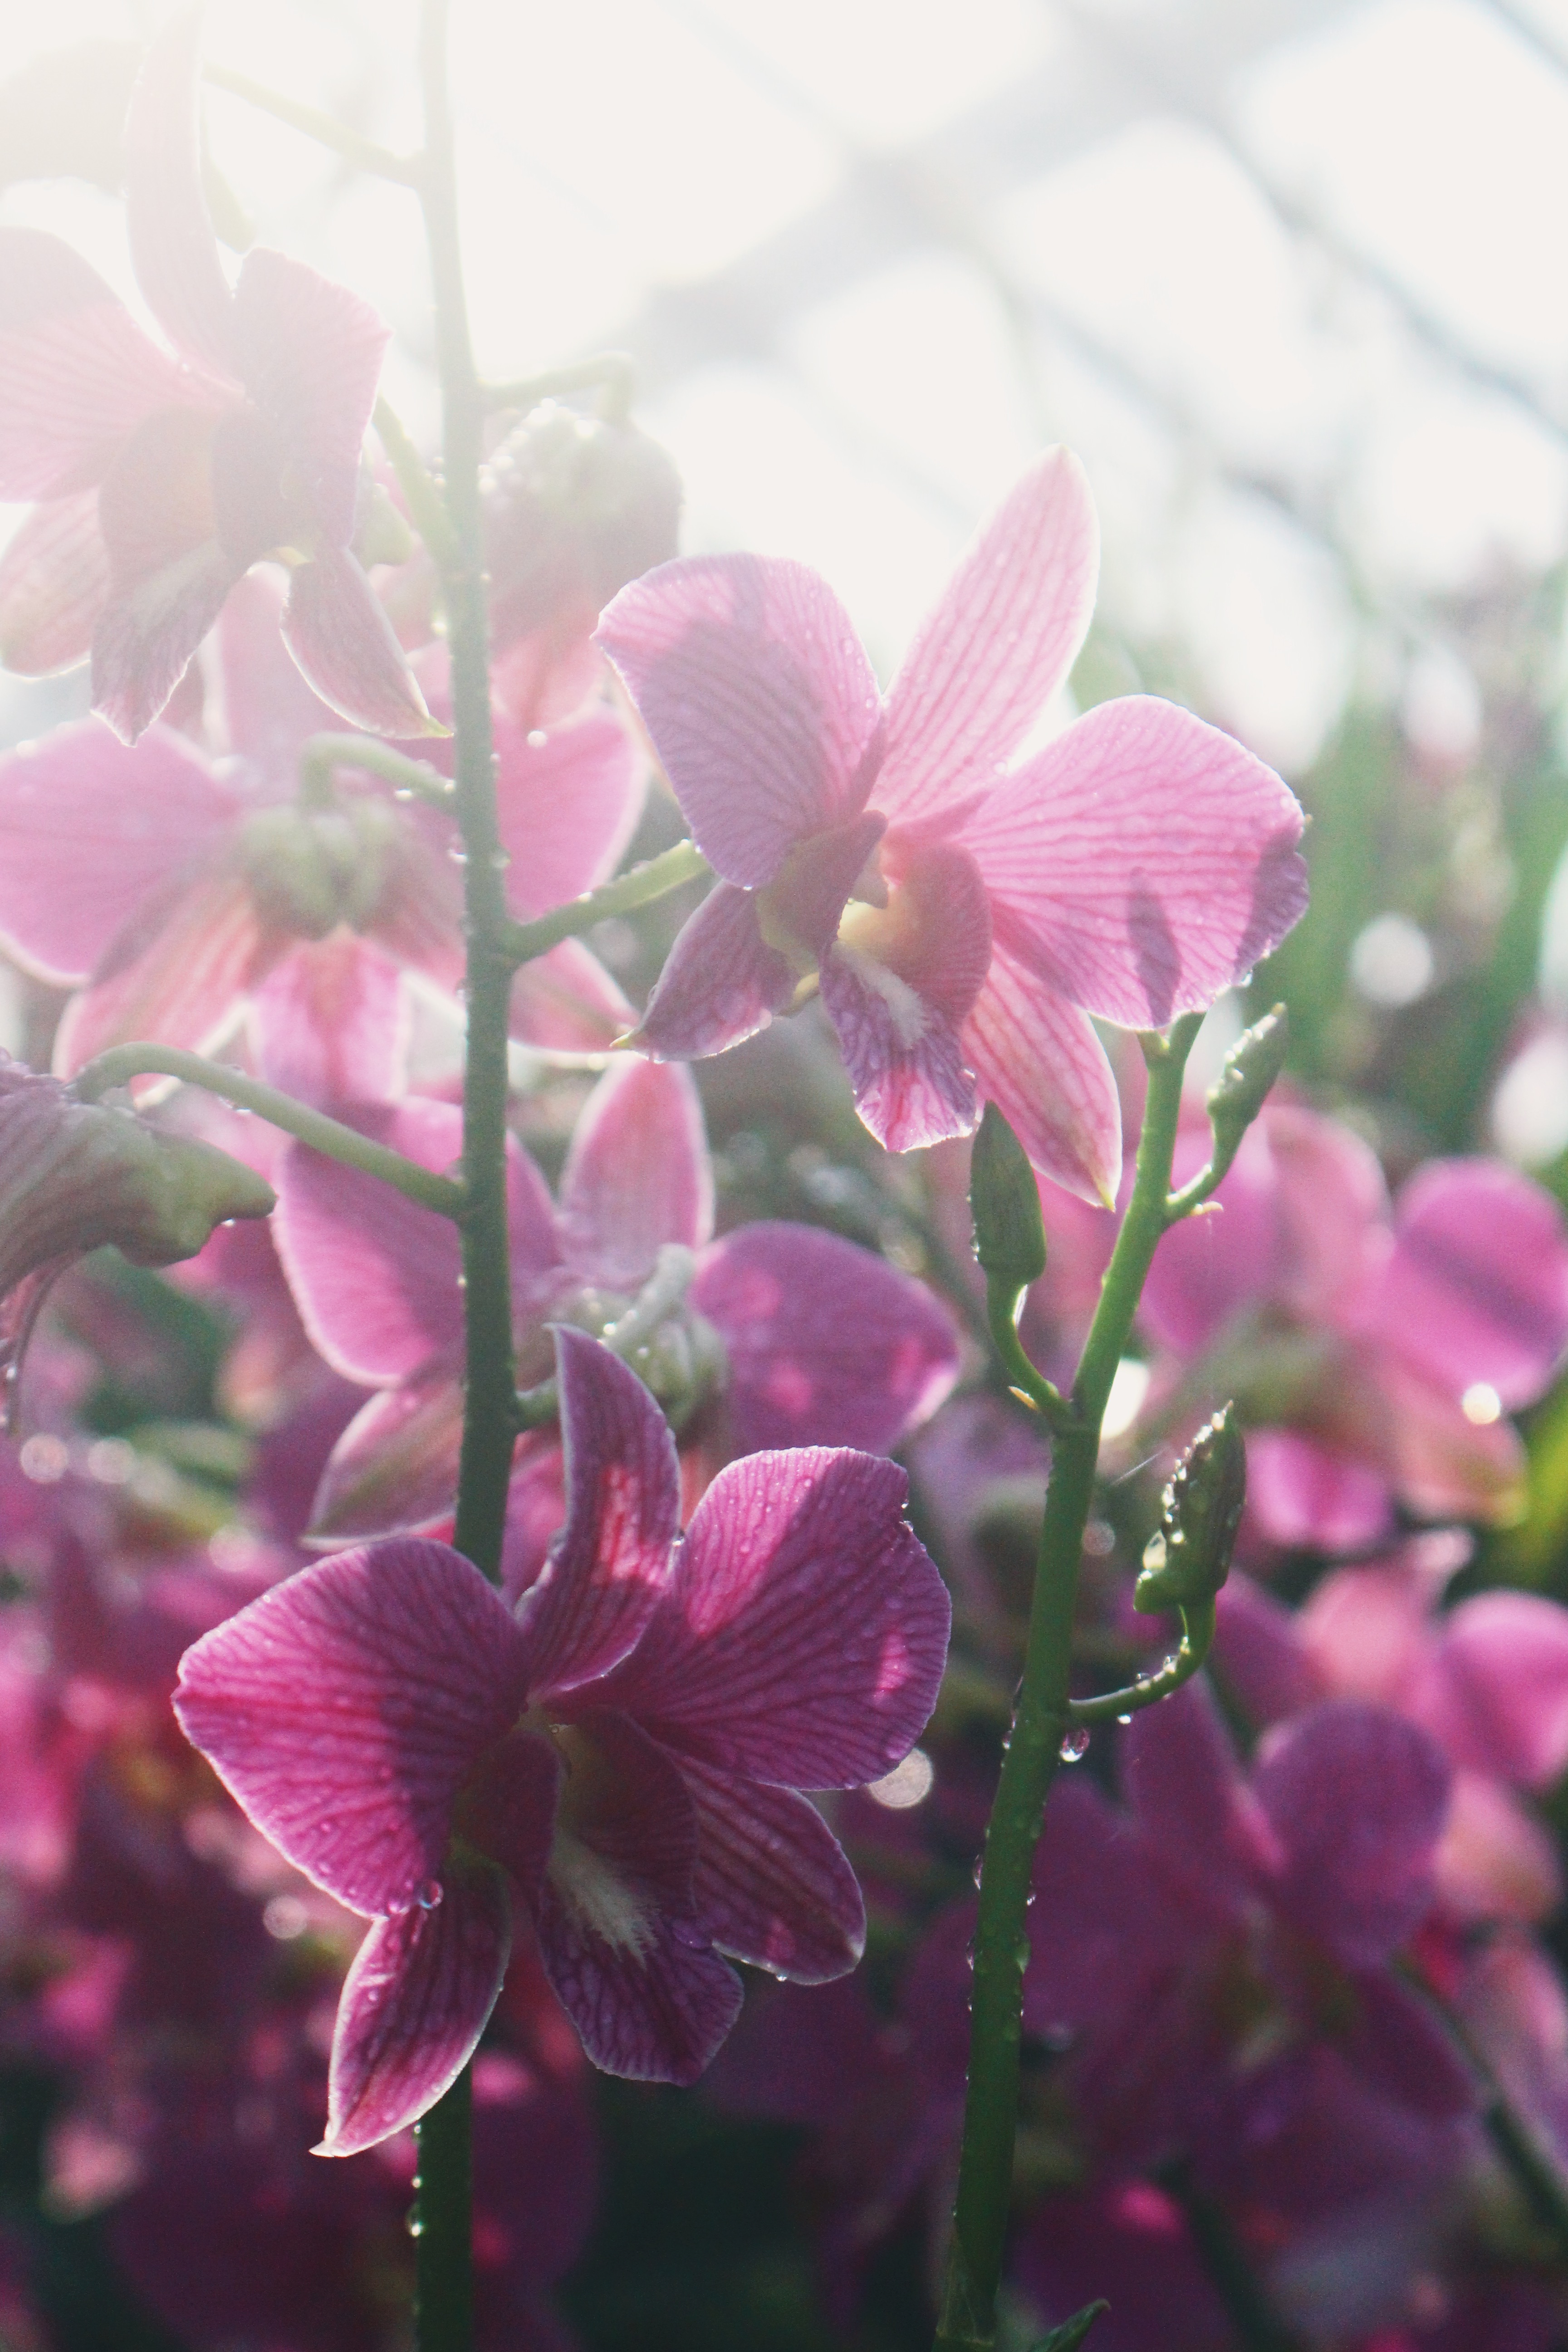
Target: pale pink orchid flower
[176, 882]
[964, 907]
[163, 473]
[619, 1759]
[785, 1335]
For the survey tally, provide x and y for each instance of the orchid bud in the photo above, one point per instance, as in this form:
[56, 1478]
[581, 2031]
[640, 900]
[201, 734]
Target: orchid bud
[310, 869]
[1189, 1560]
[574, 506]
[1248, 1072]
[1004, 1202]
[75, 1176]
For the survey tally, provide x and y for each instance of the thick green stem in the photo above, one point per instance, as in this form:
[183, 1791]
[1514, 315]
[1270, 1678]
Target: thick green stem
[445, 2244]
[1040, 1724]
[120, 1063]
[520, 942]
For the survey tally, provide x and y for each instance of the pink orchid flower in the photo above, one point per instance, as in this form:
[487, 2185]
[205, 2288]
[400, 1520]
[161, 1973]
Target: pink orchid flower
[172, 885]
[785, 1336]
[621, 1756]
[963, 915]
[1376, 1350]
[163, 474]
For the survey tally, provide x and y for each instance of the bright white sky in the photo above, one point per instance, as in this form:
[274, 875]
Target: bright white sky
[615, 147]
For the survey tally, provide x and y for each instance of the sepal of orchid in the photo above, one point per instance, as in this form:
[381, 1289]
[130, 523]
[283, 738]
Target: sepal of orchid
[1188, 1561]
[1247, 1073]
[1004, 1203]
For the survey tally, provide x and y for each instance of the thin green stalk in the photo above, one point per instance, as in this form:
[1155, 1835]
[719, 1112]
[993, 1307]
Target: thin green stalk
[426, 504]
[365, 154]
[120, 1063]
[1041, 1723]
[444, 2321]
[1198, 1620]
[611, 370]
[322, 755]
[520, 942]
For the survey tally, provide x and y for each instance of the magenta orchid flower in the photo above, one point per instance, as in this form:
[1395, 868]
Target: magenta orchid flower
[961, 916]
[1375, 1352]
[785, 1335]
[170, 886]
[620, 1756]
[163, 475]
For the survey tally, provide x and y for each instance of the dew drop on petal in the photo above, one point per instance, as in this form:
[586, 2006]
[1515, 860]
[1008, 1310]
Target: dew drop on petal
[429, 1895]
[1075, 1747]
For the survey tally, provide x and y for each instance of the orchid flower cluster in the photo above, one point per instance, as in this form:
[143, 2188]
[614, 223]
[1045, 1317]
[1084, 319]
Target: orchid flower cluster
[505, 1660]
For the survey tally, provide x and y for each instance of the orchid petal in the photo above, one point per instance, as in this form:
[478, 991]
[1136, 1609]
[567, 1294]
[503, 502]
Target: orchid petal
[565, 1003]
[1001, 638]
[269, 711]
[721, 983]
[329, 1024]
[1208, 1270]
[1141, 862]
[804, 1634]
[508, 1804]
[346, 648]
[761, 702]
[1497, 1859]
[77, 373]
[54, 579]
[826, 1344]
[566, 808]
[308, 352]
[1307, 1494]
[416, 1998]
[1357, 1798]
[87, 830]
[637, 1175]
[1443, 1464]
[612, 1560]
[1262, 1657]
[1037, 1057]
[905, 1057]
[1475, 1290]
[153, 619]
[1184, 1788]
[772, 1885]
[171, 242]
[1499, 1695]
[174, 973]
[1104, 1928]
[627, 1959]
[345, 1708]
[1400, 2049]
[395, 1468]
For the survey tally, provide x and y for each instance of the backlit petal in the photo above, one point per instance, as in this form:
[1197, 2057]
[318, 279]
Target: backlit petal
[1475, 1290]
[171, 241]
[905, 1057]
[772, 1885]
[329, 1024]
[345, 645]
[565, 807]
[637, 1174]
[566, 1004]
[54, 578]
[395, 1465]
[1037, 1057]
[204, 949]
[309, 353]
[721, 983]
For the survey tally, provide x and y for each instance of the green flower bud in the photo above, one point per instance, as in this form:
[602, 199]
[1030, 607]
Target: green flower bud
[310, 869]
[1248, 1070]
[1188, 1561]
[1005, 1203]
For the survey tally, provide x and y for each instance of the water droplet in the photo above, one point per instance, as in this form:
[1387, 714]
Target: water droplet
[429, 1895]
[1075, 1747]
[459, 857]
[499, 860]
[1125, 1720]
[974, 1873]
[537, 739]
[416, 2226]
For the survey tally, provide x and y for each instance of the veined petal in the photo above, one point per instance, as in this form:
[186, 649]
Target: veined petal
[566, 1004]
[345, 1708]
[565, 807]
[1037, 1057]
[1302, 1491]
[416, 1998]
[904, 1055]
[1002, 637]
[77, 373]
[269, 711]
[395, 1468]
[204, 949]
[308, 352]
[1357, 1798]
[637, 1174]
[772, 1885]
[617, 1934]
[374, 1276]
[347, 650]
[54, 578]
[612, 1560]
[826, 1343]
[87, 829]
[803, 1637]
[330, 1025]
[171, 242]
[721, 983]
[148, 628]
[1140, 863]
[761, 702]
[1475, 1290]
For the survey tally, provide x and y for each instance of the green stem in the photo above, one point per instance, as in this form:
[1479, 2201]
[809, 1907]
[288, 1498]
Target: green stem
[612, 370]
[120, 1063]
[520, 942]
[1002, 1305]
[365, 154]
[1041, 1723]
[322, 755]
[444, 2244]
[1198, 1620]
[426, 504]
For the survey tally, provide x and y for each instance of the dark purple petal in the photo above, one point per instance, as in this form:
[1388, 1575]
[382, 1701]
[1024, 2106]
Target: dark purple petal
[637, 1174]
[395, 1465]
[803, 1639]
[721, 983]
[760, 699]
[826, 1343]
[1357, 1798]
[1103, 1926]
[612, 1560]
[1184, 1790]
[1398, 2046]
[415, 2003]
[345, 1708]
[629, 1962]
[309, 353]
[508, 1806]
[772, 1885]
[171, 242]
